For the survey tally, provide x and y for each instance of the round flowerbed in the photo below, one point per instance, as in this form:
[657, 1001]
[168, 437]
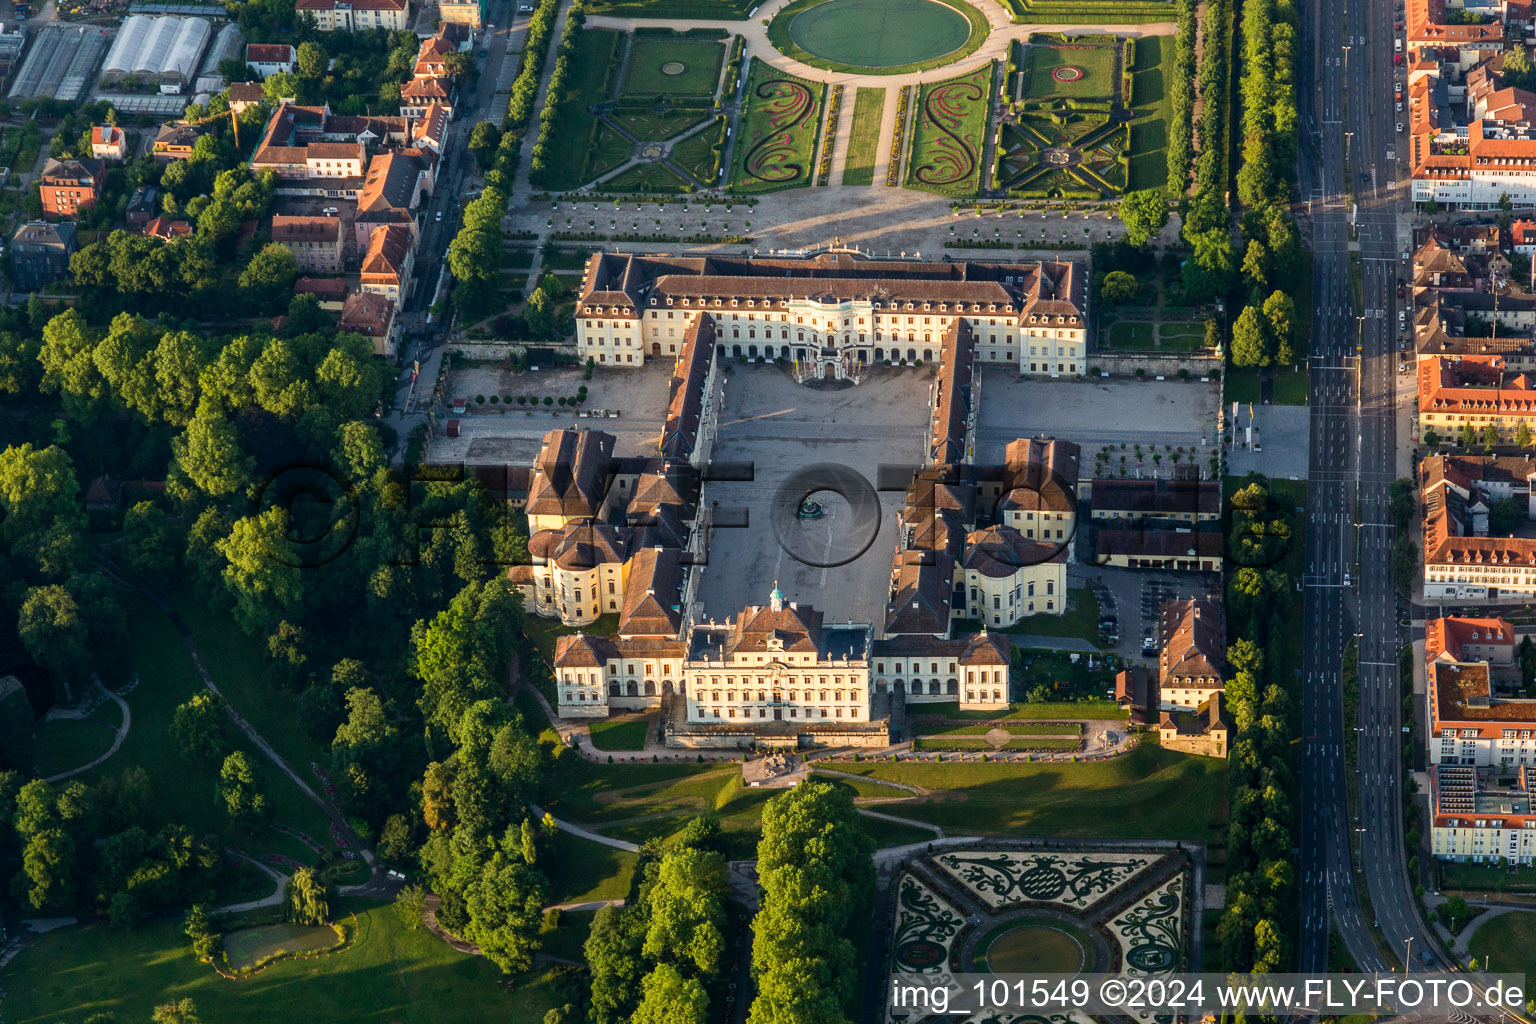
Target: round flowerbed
[1067, 73]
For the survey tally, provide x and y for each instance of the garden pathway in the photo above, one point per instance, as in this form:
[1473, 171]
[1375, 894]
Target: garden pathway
[887, 133]
[1001, 32]
[117, 740]
[581, 833]
[842, 131]
[275, 898]
[338, 820]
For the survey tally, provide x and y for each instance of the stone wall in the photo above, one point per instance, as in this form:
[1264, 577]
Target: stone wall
[502, 349]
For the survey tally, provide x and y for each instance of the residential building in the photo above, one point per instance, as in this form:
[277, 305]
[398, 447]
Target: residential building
[1173, 501]
[1192, 648]
[388, 262]
[1474, 391]
[1471, 680]
[1522, 237]
[837, 312]
[462, 12]
[40, 254]
[357, 15]
[391, 193]
[1206, 731]
[372, 316]
[268, 59]
[166, 228]
[1482, 814]
[1464, 558]
[1137, 694]
[316, 242]
[314, 152]
[1130, 545]
[69, 186]
[143, 206]
[109, 142]
[331, 292]
[176, 141]
[244, 94]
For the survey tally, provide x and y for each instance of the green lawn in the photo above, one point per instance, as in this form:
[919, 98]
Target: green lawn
[1290, 388]
[652, 72]
[182, 791]
[1096, 62]
[621, 735]
[777, 139]
[1510, 939]
[592, 61]
[516, 259]
[1147, 794]
[647, 124]
[66, 743]
[864, 138]
[948, 134]
[1035, 711]
[1012, 728]
[700, 154]
[1129, 335]
[568, 939]
[1081, 619]
[1153, 108]
[871, 37]
[388, 974]
[1485, 879]
[579, 869]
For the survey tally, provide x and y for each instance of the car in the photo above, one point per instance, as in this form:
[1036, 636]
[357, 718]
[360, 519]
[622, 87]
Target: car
[1399, 126]
[525, 8]
[1397, 58]
[439, 216]
[1399, 106]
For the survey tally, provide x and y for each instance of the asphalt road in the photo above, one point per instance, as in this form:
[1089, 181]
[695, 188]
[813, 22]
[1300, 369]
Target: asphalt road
[1348, 133]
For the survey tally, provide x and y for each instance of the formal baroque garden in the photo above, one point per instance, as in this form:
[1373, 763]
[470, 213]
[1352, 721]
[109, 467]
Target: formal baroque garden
[950, 133]
[1017, 908]
[779, 129]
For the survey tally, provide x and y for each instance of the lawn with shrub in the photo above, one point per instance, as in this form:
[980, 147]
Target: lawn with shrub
[654, 58]
[619, 735]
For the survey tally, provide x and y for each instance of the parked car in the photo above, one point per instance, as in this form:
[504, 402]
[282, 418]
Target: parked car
[1399, 126]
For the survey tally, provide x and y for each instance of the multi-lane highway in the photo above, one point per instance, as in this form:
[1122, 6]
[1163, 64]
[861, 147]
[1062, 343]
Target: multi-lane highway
[1348, 176]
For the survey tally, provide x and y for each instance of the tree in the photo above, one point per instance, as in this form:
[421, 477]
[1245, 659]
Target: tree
[669, 998]
[1118, 287]
[1504, 515]
[206, 940]
[312, 59]
[461, 655]
[240, 791]
[411, 906]
[198, 728]
[612, 950]
[506, 908]
[1280, 317]
[260, 575]
[209, 454]
[54, 632]
[149, 540]
[1250, 343]
[1144, 214]
[268, 278]
[687, 904]
[483, 140]
[1523, 435]
[1490, 436]
[1212, 333]
[181, 1012]
[307, 899]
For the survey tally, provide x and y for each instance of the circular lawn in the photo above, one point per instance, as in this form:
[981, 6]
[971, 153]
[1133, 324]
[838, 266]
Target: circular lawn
[879, 33]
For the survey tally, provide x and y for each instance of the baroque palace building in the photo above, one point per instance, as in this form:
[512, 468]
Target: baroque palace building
[622, 537]
[834, 313]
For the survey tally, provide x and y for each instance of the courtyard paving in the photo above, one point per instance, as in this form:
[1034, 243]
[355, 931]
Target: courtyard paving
[781, 427]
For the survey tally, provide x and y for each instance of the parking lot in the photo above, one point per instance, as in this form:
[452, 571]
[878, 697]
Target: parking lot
[781, 427]
[1134, 598]
[1094, 413]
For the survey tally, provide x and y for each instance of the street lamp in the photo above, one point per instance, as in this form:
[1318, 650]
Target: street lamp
[1408, 953]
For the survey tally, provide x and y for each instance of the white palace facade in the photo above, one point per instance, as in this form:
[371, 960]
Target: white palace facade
[834, 313]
